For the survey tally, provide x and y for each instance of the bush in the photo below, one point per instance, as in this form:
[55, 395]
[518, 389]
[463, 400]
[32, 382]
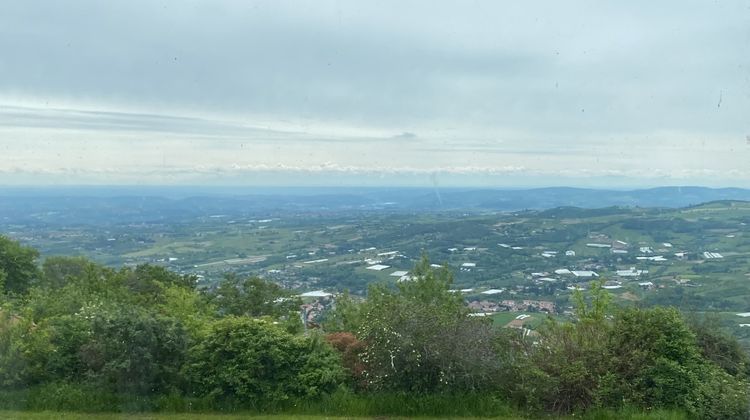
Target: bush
[416, 338]
[719, 395]
[350, 350]
[660, 365]
[646, 359]
[23, 348]
[134, 352]
[563, 367]
[260, 364]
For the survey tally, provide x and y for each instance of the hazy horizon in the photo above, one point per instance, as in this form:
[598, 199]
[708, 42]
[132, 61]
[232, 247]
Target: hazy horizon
[229, 189]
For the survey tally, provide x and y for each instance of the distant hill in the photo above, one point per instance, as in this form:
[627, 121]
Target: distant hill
[94, 205]
[547, 198]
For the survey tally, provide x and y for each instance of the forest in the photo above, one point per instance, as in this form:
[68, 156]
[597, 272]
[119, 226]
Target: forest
[78, 336]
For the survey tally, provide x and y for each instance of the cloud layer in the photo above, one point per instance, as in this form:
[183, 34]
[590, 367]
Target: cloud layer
[391, 92]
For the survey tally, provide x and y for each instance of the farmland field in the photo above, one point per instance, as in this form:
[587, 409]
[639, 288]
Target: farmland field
[696, 258]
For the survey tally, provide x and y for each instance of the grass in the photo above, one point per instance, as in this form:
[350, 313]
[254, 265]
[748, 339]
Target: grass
[64, 401]
[54, 415]
[69, 402]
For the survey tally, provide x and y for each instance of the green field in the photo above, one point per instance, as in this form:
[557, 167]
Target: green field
[283, 249]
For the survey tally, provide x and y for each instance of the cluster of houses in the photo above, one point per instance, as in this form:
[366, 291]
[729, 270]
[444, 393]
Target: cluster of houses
[573, 278]
[526, 305]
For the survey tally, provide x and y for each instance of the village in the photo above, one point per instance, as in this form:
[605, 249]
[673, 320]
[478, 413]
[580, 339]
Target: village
[502, 263]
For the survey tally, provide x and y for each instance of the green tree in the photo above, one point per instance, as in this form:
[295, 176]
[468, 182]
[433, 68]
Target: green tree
[565, 368]
[345, 316]
[132, 351]
[147, 282]
[255, 361]
[659, 364]
[18, 263]
[66, 335]
[719, 347]
[22, 351]
[58, 271]
[188, 307]
[416, 337]
[94, 286]
[256, 297]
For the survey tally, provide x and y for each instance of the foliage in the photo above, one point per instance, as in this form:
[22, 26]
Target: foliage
[18, 269]
[146, 282]
[58, 271]
[350, 349]
[93, 286]
[21, 350]
[719, 347]
[256, 297]
[567, 362]
[67, 334]
[416, 337]
[80, 335]
[659, 364]
[258, 362]
[188, 307]
[133, 351]
[345, 316]
[647, 358]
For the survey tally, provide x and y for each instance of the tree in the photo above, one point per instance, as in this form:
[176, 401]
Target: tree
[18, 263]
[256, 297]
[95, 285]
[563, 370]
[188, 307]
[345, 316]
[255, 361]
[416, 337]
[22, 351]
[66, 335]
[350, 349]
[147, 282]
[147, 273]
[659, 364]
[58, 271]
[133, 351]
[719, 347]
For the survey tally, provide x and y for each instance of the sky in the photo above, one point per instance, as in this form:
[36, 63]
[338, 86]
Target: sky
[375, 93]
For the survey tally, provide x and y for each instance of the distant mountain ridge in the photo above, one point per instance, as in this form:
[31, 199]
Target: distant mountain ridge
[131, 204]
[547, 198]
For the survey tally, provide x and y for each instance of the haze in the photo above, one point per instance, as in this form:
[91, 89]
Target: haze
[375, 93]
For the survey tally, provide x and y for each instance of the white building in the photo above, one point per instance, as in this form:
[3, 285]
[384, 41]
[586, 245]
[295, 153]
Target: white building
[316, 293]
[584, 273]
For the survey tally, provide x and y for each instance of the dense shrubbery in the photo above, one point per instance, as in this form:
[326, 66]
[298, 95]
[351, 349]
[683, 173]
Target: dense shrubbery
[254, 361]
[420, 338]
[646, 358]
[75, 335]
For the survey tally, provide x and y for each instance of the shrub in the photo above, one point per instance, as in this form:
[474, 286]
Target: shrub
[350, 350]
[260, 364]
[134, 352]
[416, 338]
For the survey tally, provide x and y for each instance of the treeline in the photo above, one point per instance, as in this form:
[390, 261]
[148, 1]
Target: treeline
[75, 335]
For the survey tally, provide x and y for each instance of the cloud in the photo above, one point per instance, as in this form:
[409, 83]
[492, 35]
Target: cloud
[554, 88]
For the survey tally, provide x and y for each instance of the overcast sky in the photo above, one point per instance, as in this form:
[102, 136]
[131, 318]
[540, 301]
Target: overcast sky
[585, 93]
